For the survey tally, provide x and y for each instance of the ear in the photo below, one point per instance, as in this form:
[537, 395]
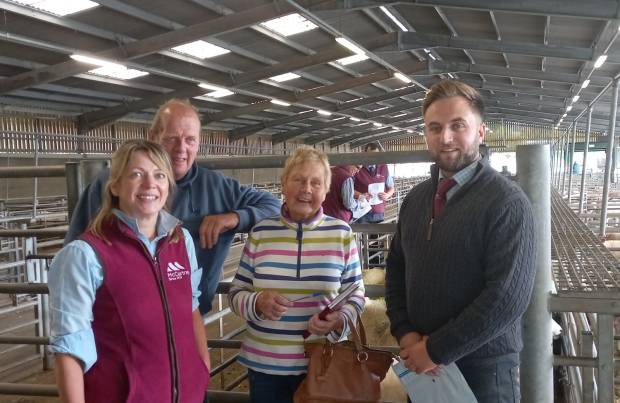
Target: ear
[153, 136]
[114, 189]
[482, 131]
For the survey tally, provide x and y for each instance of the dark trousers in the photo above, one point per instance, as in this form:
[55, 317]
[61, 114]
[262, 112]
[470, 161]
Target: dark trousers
[493, 380]
[267, 388]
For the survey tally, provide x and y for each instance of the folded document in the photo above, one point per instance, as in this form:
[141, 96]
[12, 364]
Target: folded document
[448, 387]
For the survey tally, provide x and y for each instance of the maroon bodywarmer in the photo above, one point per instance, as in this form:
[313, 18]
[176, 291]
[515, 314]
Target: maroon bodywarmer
[142, 322]
[363, 178]
[333, 204]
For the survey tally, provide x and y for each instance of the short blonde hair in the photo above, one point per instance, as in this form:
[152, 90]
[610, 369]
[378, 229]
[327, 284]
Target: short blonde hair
[303, 155]
[160, 121]
[120, 160]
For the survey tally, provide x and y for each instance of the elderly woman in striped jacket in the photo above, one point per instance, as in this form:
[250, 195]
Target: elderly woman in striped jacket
[292, 266]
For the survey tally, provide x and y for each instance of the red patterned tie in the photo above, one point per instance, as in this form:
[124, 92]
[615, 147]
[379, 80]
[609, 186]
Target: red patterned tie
[440, 197]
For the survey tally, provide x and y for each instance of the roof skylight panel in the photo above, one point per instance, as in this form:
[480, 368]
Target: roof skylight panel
[289, 25]
[284, 77]
[218, 92]
[108, 68]
[201, 49]
[59, 7]
[122, 72]
[351, 59]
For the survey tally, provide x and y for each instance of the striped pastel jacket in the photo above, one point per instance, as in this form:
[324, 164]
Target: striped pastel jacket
[310, 260]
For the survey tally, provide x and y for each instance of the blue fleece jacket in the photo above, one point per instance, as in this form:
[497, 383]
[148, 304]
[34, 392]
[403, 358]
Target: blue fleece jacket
[200, 193]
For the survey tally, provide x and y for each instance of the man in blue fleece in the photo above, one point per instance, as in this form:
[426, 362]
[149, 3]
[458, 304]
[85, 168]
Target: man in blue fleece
[213, 207]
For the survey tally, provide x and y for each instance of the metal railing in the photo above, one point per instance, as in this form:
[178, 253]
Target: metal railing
[566, 300]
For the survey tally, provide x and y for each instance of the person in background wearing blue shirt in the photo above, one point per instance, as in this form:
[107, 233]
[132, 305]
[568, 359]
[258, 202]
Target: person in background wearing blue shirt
[340, 201]
[125, 323]
[368, 176]
[211, 206]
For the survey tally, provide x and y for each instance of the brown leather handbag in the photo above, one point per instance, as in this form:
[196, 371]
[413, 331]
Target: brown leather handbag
[348, 371]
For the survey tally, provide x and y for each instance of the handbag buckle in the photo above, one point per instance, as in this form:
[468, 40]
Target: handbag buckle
[362, 356]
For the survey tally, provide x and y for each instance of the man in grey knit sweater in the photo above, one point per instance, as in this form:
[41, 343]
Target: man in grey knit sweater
[460, 273]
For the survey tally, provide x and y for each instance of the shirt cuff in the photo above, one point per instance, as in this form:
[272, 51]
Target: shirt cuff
[195, 280]
[80, 345]
[336, 336]
[244, 220]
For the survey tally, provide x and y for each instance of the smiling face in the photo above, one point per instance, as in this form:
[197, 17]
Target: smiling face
[304, 189]
[454, 132]
[180, 136]
[142, 188]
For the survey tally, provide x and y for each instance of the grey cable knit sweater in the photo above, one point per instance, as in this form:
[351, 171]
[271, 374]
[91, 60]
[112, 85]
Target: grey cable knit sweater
[468, 285]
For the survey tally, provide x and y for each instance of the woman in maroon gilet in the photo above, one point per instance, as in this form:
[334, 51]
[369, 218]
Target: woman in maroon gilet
[123, 298]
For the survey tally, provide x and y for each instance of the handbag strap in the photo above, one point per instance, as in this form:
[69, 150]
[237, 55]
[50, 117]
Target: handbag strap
[358, 333]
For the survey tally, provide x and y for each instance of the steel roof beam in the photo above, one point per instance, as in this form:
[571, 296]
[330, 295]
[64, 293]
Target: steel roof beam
[245, 131]
[330, 53]
[151, 45]
[282, 137]
[278, 138]
[442, 68]
[377, 131]
[537, 91]
[496, 100]
[387, 136]
[413, 40]
[341, 85]
[407, 118]
[599, 9]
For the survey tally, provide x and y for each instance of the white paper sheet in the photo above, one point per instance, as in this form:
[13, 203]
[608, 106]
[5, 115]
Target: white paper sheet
[448, 387]
[374, 189]
[362, 208]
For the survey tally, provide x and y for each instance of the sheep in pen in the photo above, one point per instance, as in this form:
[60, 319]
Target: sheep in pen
[378, 334]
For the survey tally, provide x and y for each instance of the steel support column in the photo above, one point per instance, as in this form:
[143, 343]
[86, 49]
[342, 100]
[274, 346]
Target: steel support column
[537, 353]
[565, 146]
[582, 191]
[78, 176]
[72, 176]
[605, 351]
[570, 164]
[587, 374]
[609, 157]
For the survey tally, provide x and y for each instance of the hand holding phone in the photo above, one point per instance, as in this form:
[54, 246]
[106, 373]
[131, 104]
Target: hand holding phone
[335, 304]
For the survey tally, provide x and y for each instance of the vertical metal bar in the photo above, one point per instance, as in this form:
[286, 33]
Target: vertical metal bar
[555, 162]
[570, 164]
[78, 175]
[605, 349]
[563, 161]
[586, 145]
[74, 185]
[365, 241]
[36, 180]
[587, 378]
[608, 157]
[537, 354]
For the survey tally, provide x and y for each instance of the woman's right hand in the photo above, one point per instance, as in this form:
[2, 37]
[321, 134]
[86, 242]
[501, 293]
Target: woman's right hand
[271, 305]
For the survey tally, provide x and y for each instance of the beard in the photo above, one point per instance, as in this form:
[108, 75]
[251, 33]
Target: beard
[453, 164]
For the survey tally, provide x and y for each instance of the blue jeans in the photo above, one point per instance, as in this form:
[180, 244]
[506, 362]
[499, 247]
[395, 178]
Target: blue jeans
[267, 388]
[370, 218]
[493, 380]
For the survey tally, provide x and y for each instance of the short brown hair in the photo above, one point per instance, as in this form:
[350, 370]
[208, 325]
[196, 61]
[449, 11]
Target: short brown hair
[373, 145]
[120, 160]
[453, 88]
[307, 154]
